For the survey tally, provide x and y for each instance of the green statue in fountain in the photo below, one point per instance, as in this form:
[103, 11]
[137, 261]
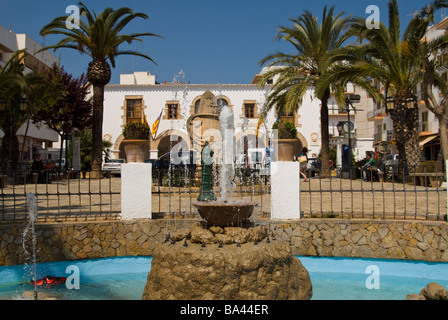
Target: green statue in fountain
[206, 192]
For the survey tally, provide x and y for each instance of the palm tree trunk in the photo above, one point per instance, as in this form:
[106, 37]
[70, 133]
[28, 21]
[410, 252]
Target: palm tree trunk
[405, 123]
[325, 137]
[97, 130]
[443, 135]
[412, 138]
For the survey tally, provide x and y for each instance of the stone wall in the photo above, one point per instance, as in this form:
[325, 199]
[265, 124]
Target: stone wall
[412, 240]
[425, 240]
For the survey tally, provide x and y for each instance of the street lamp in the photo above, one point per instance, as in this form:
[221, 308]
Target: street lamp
[410, 102]
[340, 127]
[390, 104]
[23, 104]
[352, 98]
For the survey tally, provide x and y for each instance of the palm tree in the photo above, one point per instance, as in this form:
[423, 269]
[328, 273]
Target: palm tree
[394, 60]
[100, 38]
[11, 74]
[314, 48]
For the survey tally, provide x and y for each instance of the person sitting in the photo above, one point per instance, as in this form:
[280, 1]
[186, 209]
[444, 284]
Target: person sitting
[378, 169]
[367, 168]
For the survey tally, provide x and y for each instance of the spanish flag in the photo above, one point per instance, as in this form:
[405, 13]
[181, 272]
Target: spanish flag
[155, 126]
[260, 121]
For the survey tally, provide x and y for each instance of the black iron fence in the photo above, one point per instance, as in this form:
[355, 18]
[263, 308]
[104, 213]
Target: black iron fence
[69, 196]
[61, 196]
[390, 193]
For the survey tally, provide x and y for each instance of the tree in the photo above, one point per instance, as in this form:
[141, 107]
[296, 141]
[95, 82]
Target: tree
[315, 46]
[65, 105]
[394, 60]
[12, 83]
[433, 56]
[99, 37]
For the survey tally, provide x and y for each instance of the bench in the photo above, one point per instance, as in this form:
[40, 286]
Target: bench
[435, 179]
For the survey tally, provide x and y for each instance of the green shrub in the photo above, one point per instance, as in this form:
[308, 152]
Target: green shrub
[286, 130]
[136, 130]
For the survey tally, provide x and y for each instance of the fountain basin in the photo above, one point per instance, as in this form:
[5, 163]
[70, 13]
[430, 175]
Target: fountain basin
[224, 214]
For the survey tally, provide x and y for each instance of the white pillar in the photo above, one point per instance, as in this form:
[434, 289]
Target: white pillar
[446, 186]
[153, 154]
[136, 184]
[285, 190]
[339, 153]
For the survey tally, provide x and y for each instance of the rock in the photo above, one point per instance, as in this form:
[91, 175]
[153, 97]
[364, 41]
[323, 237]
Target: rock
[414, 296]
[202, 235]
[181, 234]
[265, 271]
[434, 291]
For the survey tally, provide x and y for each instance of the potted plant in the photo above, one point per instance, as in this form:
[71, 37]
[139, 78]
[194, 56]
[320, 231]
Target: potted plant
[136, 139]
[287, 140]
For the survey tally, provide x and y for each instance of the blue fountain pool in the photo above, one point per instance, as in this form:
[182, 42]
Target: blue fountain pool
[124, 278]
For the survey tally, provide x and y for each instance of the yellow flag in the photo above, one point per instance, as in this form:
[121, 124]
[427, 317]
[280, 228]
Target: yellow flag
[260, 121]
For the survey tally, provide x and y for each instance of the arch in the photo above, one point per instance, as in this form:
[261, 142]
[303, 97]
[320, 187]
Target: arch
[302, 140]
[163, 142]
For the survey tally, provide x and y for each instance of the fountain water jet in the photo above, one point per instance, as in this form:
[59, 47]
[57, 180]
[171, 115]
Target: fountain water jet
[30, 232]
[225, 211]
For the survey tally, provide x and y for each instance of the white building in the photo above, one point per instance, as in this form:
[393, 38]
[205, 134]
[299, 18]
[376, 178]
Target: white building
[138, 96]
[40, 137]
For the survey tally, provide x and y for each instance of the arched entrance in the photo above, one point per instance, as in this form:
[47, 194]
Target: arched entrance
[171, 140]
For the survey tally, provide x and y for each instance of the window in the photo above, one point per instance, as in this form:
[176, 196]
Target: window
[222, 102]
[249, 110]
[173, 111]
[425, 126]
[196, 106]
[133, 110]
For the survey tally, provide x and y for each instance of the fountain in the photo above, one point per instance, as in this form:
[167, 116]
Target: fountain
[225, 256]
[29, 237]
[224, 212]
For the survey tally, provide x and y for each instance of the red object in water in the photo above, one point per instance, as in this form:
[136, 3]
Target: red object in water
[49, 280]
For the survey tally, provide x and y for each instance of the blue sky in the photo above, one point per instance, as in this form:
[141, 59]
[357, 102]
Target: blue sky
[212, 41]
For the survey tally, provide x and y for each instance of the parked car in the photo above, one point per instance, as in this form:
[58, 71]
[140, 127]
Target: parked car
[113, 167]
[313, 166]
[177, 160]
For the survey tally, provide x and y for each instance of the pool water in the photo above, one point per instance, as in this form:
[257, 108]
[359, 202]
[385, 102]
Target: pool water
[124, 278]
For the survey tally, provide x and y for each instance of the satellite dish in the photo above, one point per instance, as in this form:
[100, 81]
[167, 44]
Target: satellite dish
[383, 147]
[348, 127]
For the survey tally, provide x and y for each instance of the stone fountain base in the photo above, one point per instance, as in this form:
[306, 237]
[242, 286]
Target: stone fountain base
[252, 269]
